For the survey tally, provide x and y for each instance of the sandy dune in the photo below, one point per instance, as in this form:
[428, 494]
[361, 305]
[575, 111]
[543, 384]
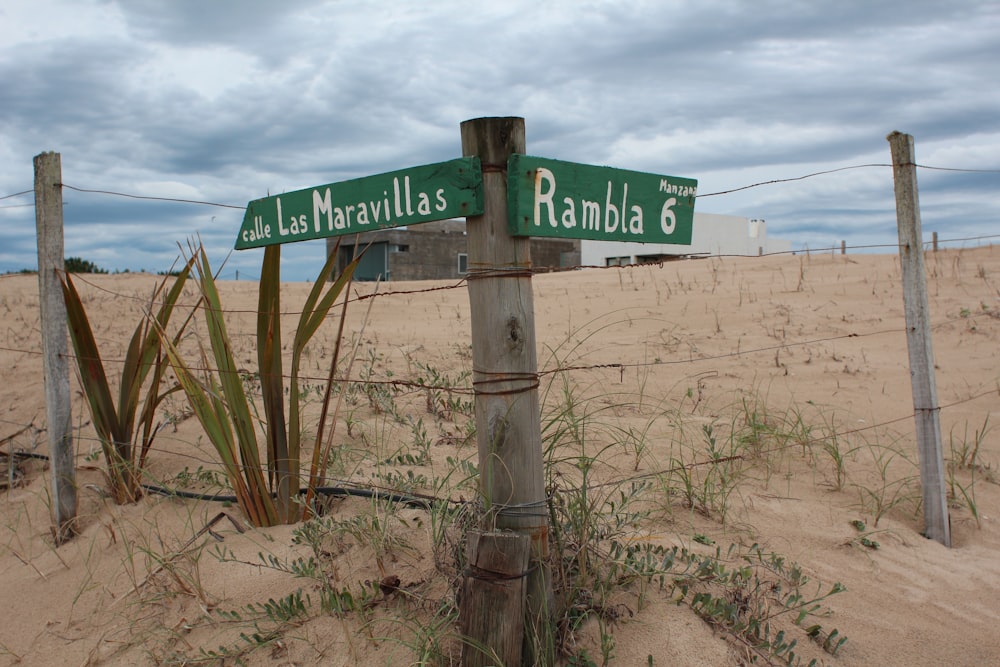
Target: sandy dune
[790, 361]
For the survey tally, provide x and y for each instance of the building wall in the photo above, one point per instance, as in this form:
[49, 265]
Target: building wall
[429, 256]
[431, 251]
[711, 234]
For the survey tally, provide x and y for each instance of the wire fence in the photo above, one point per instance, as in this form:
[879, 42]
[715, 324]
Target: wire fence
[16, 429]
[405, 385]
[777, 181]
[791, 179]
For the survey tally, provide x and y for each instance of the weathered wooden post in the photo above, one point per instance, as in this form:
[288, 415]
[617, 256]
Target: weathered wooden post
[493, 598]
[934, 241]
[55, 362]
[505, 377]
[918, 338]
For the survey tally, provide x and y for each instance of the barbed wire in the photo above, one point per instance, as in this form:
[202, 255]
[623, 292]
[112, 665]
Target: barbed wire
[781, 448]
[833, 171]
[416, 385]
[710, 194]
[462, 282]
[664, 261]
[621, 366]
[469, 390]
[539, 270]
[80, 277]
[793, 178]
[18, 194]
[150, 197]
[869, 246]
[960, 169]
[629, 479]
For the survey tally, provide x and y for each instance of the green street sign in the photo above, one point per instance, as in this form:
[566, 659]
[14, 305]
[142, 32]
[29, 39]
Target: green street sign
[577, 201]
[406, 197]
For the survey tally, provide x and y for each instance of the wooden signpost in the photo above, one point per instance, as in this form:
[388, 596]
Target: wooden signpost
[519, 197]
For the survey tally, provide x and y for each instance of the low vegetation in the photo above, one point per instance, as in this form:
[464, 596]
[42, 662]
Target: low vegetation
[380, 508]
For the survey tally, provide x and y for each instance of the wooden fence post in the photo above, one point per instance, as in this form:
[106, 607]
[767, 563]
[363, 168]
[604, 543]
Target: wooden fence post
[493, 598]
[55, 360]
[918, 338]
[505, 373]
[934, 242]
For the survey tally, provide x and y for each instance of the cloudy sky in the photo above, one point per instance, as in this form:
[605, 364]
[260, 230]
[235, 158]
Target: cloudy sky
[226, 101]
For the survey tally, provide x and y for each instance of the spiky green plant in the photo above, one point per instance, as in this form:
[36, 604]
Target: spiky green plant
[125, 447]
[268, 494]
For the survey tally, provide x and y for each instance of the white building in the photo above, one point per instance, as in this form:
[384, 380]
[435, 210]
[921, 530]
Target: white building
[711, 235]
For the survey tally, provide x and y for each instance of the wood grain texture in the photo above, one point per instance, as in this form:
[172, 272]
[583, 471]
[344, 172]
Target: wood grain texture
[493, 596]
[55, 361]
[505, 369]
[918, 339]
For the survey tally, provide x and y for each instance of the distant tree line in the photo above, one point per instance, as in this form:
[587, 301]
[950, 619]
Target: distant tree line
[72, 265]
[79, 265]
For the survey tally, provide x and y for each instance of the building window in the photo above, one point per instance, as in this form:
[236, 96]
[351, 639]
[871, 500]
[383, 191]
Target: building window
[399, 248]
[617, 261]
[463, 263]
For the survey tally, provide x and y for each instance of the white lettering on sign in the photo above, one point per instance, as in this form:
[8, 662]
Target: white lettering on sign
[614, 214]
[668, 219]
[374, 211]
[297, 224]
[259, 232]
[543, 174]
[674, 189]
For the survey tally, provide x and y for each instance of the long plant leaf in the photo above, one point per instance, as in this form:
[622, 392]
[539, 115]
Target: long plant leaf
[115, 424]
[144, 349]
[211, 414]
[161, 364]
[230, 400]
[92, 374]
[229, 376]
[148, 415]
[314, 313]
[282, 468]
[221, 403]
[319, 454]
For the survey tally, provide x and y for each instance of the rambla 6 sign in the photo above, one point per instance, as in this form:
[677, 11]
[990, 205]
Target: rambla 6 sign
[407, 197]
[568, 200]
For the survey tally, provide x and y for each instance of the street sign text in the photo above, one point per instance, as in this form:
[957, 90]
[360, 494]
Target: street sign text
[569, 200]
[406, 197]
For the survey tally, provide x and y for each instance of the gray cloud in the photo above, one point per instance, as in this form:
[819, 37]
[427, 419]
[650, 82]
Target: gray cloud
[229, 101]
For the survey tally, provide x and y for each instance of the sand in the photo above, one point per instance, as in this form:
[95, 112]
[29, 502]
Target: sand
[815, 341]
